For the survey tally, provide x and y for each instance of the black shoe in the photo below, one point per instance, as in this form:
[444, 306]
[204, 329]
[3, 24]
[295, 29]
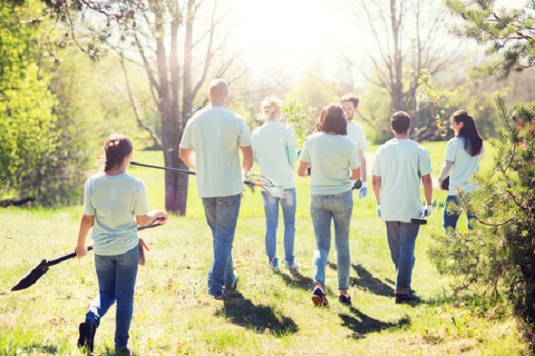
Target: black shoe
[87, 335]
[219, 296]
[234, 283]
[127, 351]
[318, 297]
[407, 298]
[345, 299]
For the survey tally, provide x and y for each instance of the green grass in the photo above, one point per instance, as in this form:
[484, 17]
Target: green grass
[268, 314]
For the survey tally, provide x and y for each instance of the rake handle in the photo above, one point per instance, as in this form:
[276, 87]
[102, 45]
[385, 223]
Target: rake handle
[89, 248]
[185, 171]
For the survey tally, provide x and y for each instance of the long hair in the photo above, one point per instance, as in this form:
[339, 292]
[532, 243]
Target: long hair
[473, 142]
[116, 149]
[332, 119]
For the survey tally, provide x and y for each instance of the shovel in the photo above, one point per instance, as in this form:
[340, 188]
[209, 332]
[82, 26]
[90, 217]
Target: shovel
[43, 266]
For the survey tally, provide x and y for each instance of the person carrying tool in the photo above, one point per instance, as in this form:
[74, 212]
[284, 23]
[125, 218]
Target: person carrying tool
[211, 143]
[400, 164]
[114, 204]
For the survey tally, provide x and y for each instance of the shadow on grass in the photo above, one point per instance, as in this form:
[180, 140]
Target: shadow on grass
[260, 319]
[297, 280]
[362, 324]
[367, 281]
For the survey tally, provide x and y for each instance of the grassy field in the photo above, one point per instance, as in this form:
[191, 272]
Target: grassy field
[268, 314]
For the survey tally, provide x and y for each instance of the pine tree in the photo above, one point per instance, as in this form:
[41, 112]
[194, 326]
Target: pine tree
[499, 254]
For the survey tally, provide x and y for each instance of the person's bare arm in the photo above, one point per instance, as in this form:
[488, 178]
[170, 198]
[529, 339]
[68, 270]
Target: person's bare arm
[86, 224]
[355, 174]
[152, 215]
[187, 156]
[302, 170]
[248, 159]
[376, 182]
[428, 188]
[363, 170]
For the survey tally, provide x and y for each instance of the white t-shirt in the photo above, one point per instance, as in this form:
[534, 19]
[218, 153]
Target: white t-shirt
[331, 158]
[114, 201]
[356, 133]
[271, 144]
[216, 134]
[464, 165]
[401, 164]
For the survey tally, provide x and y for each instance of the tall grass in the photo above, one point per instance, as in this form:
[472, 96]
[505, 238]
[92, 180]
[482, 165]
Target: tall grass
[267, 314]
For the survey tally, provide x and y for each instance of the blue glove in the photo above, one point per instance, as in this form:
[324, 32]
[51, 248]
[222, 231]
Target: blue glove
[379, 210]
[364, 190]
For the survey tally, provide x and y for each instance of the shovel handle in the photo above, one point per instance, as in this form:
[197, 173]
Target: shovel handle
[66, 257]
[89, 248]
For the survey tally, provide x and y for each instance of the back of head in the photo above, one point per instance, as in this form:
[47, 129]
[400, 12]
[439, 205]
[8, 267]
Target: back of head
[473, 140]
[218, 92]
[116, 149]
[271, 106]
[332, 119]
[400, 122]
[352, 98]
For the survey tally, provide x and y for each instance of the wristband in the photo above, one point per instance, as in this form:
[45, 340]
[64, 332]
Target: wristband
[364, 184]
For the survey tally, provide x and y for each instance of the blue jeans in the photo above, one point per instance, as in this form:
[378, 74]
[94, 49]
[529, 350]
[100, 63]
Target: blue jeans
[323, 210]
[271, 209]
[116, 281]
[449, 219]
[402, 240]
[222, 217]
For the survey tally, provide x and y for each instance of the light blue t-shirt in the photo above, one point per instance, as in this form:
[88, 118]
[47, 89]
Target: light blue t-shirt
[216, 134]
[273, 145]
[463, 167]
[401, 164]
[356, 133]
[114, 201]
[331, 158]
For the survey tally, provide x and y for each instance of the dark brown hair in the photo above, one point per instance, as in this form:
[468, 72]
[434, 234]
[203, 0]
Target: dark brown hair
[351, 97]
[400, 122]
[473, 142]
[116, 149]
[332, 119]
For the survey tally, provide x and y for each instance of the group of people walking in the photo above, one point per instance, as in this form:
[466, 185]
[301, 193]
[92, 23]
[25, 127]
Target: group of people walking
[333, 157]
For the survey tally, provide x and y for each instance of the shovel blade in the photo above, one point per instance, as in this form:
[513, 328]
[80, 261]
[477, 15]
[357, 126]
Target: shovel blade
[32, 276]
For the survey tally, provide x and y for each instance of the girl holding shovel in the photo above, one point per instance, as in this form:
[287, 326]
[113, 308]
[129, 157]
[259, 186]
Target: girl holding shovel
[114, 204]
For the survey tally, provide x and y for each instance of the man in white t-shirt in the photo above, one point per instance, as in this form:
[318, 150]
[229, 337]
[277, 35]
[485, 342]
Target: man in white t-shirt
[355, 132]
[400, 165]
[217, 134]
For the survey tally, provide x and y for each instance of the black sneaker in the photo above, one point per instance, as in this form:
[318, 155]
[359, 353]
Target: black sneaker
[407, 298]
[345, 299]
[87, 335]
[318, 297]
[234, 283]
[219, 296]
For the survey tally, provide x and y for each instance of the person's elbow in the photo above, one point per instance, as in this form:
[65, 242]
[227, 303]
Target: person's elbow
[427, 180]
[182, 154]
[88, 220]
[376, 182]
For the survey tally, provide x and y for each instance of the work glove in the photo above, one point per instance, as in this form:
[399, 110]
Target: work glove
[426, 210]
[364, 190]
[379, 210]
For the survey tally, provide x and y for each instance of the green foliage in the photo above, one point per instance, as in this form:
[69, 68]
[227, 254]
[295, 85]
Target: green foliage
[28, 132]
[498, 256]
[294, 114]
[425, 93]
[507, 33]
